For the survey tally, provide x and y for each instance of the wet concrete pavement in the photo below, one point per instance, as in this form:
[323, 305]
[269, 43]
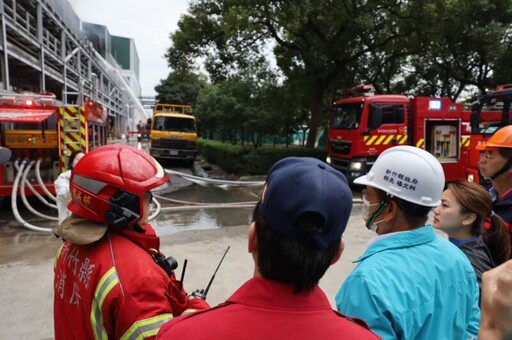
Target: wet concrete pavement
[26, 261]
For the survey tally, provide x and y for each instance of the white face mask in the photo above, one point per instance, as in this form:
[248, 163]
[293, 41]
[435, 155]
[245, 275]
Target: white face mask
[365, 209]
[374, 227]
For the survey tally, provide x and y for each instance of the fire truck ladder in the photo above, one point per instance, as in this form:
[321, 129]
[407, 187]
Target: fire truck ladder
[72, 132]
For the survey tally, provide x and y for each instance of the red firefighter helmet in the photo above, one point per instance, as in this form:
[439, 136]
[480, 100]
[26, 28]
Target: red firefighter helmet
[109, 183]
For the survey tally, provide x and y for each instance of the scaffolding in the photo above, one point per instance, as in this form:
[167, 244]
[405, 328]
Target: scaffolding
[42, 49]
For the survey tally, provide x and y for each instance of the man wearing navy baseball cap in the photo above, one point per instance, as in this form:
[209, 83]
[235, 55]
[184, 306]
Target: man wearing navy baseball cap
[294, 237]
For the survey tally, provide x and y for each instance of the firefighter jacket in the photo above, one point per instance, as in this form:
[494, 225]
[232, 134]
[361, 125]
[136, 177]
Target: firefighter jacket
[113, 288]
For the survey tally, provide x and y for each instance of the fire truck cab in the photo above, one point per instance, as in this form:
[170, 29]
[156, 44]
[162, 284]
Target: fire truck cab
[363, 125]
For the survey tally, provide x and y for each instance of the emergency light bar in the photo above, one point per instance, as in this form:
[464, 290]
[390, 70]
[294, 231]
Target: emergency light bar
[22, 99]
[9, 100]
[434, 105]
[503, 87]
[363, 89]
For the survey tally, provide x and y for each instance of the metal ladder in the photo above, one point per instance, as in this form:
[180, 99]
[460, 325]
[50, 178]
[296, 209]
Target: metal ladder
[72, 132]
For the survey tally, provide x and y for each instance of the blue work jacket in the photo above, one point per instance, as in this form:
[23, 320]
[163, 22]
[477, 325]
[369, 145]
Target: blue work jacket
[413, 285]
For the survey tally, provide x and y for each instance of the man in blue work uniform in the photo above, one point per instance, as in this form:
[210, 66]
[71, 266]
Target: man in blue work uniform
[409, 283]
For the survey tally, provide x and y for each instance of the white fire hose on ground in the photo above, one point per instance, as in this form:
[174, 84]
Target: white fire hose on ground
[41, 184]
[24, 180]
[223, 184]
[23, 170]
[15, 211]
[19, 184]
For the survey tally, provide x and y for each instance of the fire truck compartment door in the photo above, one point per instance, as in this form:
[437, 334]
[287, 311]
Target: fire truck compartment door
[17, 115]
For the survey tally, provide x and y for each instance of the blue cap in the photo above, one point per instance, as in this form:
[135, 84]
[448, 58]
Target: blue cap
[297, 185]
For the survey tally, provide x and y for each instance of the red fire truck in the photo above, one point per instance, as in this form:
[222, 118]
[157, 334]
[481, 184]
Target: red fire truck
[35, 127]
[487, 116]
[363, 125]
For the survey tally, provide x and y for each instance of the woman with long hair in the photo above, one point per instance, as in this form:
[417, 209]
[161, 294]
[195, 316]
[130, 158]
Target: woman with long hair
[464, 208]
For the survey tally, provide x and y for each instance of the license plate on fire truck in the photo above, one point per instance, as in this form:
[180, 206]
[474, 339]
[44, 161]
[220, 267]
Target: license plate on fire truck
[173, 152]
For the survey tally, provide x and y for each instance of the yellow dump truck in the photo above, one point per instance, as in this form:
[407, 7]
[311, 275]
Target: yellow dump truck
[173, 133]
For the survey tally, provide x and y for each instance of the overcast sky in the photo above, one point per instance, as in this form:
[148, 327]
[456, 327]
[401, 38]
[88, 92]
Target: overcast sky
[148, 22]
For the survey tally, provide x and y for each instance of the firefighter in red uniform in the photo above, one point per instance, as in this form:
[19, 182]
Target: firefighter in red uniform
[295, 237]
[496, 164]
[107, 282]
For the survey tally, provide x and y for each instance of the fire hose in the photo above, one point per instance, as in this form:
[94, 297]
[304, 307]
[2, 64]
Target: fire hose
[24, 180]
[21, 181]
[14, 204]
[31, 187]
[41, 183]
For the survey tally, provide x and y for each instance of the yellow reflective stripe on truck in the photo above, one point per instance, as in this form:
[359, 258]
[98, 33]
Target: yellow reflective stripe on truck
[465, 142]
[385, 139]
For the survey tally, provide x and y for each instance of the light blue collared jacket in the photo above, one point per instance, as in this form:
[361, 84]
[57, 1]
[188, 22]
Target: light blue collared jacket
[413, 285]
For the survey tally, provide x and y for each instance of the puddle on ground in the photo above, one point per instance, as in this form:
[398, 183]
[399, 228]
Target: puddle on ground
[169, 223]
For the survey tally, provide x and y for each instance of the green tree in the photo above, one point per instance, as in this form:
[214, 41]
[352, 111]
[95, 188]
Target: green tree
[250, 106]
[418, 47]
[317, 43]
[456, 43]
[180, 87]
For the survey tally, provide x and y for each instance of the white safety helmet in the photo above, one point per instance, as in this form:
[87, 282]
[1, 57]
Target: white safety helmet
[409, 173]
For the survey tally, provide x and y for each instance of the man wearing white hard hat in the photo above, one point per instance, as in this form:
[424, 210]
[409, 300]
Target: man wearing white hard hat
[409, 283]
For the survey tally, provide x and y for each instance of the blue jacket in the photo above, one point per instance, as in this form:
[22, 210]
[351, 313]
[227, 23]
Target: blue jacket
[413, 285]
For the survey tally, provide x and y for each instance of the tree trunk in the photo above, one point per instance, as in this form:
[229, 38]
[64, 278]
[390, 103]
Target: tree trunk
[316, 105]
